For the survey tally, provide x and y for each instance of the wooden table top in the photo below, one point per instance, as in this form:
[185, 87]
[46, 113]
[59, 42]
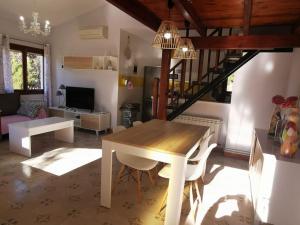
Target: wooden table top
[158, 135]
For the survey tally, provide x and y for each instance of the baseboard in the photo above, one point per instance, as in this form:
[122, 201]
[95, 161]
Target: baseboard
[236, 154]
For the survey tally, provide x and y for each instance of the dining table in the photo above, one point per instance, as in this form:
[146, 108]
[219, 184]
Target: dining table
[163, 141]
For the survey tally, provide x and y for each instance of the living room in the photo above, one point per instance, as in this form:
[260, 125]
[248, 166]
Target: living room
[72, 80]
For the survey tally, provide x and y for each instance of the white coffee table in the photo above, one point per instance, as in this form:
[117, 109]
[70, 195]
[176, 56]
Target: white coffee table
[20, 133]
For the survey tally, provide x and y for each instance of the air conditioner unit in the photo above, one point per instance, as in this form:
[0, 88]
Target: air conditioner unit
[100, 32]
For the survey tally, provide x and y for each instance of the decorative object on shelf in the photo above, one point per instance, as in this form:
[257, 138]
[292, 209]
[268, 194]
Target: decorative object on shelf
[290, 134]
[127, 51]
[167, 36]
[91, 62]
[129, 84]
[59, 94]
[35, 26]
[186, 48]
[276, 116]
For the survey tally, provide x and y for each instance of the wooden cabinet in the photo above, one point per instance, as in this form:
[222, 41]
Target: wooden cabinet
[78, 62]
[56, 112]
[97, 121]
[275, 182]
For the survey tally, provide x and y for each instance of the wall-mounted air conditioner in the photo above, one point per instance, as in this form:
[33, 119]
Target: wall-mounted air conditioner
[99, 32]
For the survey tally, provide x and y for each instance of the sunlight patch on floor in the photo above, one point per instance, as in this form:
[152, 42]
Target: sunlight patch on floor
[62, 160]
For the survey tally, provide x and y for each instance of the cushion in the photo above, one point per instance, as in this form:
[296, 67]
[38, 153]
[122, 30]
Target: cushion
[9, 103]
[30, 108]
[5, 120]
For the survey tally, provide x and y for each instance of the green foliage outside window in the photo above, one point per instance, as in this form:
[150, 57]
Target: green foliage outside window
[17, 69]
[34, 70]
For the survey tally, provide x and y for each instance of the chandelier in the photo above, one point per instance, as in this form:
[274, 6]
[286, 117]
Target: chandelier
[35, 26]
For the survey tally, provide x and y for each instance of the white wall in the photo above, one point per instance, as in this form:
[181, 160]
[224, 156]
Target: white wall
[294, 78]
[66, 42]
[256, 83]
[142, 54]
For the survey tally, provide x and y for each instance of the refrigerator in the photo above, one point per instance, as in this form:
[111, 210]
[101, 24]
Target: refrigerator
[150, 72]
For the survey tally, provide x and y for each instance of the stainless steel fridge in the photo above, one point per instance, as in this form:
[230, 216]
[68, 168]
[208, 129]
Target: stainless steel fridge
[150, 72]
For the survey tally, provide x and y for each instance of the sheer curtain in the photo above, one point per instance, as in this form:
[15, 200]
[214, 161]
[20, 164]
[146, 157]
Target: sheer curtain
[47, 76]
[6, 82]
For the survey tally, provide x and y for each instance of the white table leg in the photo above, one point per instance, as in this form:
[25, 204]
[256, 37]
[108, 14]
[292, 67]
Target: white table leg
[66, 134]
[175, 191]
[19, 142]
[106, 174]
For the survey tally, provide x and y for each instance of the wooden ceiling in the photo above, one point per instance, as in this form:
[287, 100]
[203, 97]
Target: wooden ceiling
[231, 13]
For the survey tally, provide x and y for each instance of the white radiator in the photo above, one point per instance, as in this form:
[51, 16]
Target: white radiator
[212, 123]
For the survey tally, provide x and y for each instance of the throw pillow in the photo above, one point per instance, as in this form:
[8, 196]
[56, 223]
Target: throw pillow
[29, 108]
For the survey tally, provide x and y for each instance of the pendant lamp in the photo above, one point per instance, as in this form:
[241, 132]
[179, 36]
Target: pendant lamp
[185, 48]
[167, 36]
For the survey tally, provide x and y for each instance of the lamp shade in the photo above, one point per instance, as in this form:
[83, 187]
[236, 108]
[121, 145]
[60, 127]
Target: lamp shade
[59, 93]
[167, 36]
[185, 50]
[62, 87]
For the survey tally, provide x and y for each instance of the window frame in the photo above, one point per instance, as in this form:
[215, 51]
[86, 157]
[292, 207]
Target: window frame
[24, 50]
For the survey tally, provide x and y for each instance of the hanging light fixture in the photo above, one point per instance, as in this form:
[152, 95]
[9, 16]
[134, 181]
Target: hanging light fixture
[167, 36]
[35, 26]
[185, 48]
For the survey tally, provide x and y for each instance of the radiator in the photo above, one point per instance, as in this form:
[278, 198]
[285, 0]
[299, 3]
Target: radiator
[213, 123]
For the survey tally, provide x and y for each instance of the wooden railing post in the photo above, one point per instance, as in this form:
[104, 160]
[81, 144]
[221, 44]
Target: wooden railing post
[164, 84]
[155, 86]
[182, 77]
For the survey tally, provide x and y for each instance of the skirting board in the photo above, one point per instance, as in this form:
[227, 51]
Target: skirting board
[237, 154]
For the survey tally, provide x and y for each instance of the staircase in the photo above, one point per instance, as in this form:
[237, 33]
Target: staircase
[215, 81]
[211, 82]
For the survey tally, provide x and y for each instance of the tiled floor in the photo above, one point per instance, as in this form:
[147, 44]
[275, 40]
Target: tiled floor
[32, 196]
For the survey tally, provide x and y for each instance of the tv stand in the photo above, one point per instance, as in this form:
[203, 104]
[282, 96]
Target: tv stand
[97, 121]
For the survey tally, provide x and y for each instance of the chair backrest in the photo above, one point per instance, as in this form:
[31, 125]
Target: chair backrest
[200, 167]
[136, 123]
[118, 129]
[130, 160]
[203, 146]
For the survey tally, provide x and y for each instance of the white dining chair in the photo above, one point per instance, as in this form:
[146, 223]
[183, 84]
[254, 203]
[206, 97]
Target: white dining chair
[138, 164]
[136, 123]
[203, 146]
[193, 172]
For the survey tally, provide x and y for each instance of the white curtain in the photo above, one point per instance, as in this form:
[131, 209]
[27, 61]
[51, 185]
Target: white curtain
[47, 76]
[6, 82]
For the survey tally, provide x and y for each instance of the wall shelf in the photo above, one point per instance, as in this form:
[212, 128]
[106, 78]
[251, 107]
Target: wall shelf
[91, 62]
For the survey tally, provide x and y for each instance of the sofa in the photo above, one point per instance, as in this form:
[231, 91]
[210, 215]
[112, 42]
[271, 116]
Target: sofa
[10, 105]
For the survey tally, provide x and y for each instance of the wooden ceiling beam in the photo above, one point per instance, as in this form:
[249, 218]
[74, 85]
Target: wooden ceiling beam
[190, 14]
[247, 42]
[247, 16]
[138, 11]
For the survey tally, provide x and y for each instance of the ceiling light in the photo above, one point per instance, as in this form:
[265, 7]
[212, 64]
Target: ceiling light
[185, 50]
[167, 36]
[35, 27]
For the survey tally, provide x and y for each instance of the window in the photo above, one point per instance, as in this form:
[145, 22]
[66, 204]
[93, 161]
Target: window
[27, 66]
[230, 81]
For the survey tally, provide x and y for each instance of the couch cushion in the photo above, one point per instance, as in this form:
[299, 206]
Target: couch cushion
[9, 103]
[29, 108]
[5, 120]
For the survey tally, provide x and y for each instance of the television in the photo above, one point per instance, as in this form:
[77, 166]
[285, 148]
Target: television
[81, 98]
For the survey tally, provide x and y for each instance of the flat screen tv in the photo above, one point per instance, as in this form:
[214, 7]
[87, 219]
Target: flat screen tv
[81, 98]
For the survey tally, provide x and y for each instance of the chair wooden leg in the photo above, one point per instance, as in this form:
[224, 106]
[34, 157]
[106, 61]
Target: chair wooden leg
[151, 178]
[197, 190]
[118, 177]
[163, 202]
[138, 179]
